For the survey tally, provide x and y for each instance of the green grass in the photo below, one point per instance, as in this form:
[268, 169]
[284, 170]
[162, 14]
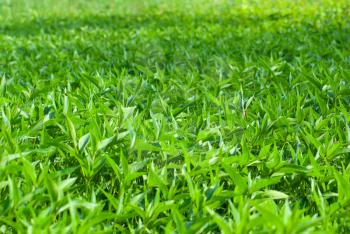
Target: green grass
[174, 116]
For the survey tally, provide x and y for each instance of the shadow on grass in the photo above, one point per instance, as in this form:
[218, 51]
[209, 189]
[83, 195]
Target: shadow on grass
[172, 38]
[280, 22]
[118, 22]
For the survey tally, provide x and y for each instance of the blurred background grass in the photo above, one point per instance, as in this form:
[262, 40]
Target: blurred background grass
[14, 10]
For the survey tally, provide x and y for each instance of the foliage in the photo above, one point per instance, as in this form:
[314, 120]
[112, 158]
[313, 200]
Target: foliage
[227, 117]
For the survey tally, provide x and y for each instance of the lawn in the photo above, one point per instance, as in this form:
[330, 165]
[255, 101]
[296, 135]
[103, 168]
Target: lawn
[179, 116]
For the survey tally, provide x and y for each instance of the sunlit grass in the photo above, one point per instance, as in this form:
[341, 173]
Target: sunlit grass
[175, 117]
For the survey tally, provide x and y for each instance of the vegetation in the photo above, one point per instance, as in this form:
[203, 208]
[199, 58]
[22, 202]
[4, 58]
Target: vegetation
[175, 116]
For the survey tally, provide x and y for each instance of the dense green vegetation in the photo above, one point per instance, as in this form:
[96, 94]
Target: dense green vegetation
[185, 117]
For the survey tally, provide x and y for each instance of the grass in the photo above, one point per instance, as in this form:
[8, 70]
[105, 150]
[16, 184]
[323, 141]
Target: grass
[174, 116]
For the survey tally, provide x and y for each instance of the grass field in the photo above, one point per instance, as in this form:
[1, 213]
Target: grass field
[174, 116]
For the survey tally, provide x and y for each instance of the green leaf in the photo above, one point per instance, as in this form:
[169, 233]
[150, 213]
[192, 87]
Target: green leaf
[104, 143]
[83, 141]
[72, 131]
[272, 194]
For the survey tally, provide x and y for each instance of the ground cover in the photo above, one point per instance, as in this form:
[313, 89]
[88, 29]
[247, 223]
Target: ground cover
[174, 116]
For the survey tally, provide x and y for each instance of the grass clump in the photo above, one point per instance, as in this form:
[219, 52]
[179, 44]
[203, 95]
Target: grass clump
[180, 117]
